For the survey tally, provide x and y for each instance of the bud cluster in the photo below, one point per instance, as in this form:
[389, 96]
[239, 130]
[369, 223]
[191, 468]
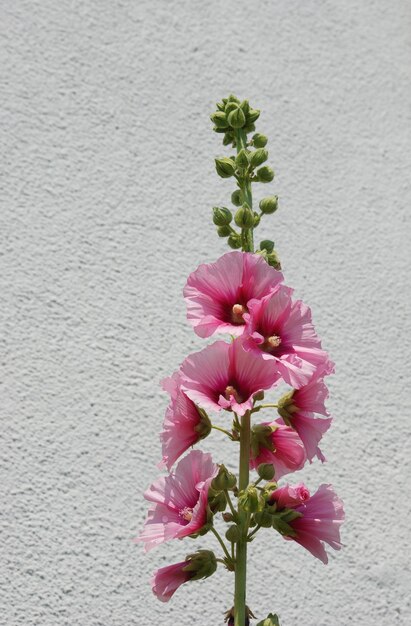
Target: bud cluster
[236, 119]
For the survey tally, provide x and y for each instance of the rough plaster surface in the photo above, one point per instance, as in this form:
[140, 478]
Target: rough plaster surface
[106, 190]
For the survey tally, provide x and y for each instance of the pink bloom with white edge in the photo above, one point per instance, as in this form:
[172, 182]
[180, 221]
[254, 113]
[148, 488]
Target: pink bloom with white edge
[282, 331]
[183, 423]
[285, 452]
[298, 408]
[217, 294]
[321, 517]
[167, 580]
[180, 500]
[225, 376]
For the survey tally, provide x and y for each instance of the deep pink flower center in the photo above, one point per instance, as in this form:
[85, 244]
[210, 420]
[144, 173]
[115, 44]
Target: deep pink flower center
[232, 391]
[186, 513]
[237, 313]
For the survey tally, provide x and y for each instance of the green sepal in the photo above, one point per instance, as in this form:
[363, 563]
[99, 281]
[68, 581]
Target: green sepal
[282, 527]
[237, 198]
[242, 159]
[200, 564]
[236, 118]
[270, 620]
[252, 116]
[233, 534]
[289, 515]
[203, 428]
[249, 500]
[225, 167]
[267, 245]
[258, 157]
[224, 480]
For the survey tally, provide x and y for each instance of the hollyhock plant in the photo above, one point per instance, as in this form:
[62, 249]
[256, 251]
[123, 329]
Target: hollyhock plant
[272, 341]
[180, 500]
[224, 376]
[217, 294]
[184, 423]
[297, 410]
[319, 520]
[282, 330]
[279, 445]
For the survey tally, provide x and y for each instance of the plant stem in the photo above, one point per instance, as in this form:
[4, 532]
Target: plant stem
[221, 542]
[241, 551]
[246, 233]
[264, 406]
[222, 430]
[230, 504]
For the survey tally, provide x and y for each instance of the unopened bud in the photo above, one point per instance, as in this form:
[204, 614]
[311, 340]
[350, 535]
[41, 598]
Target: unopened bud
[258, 157]
[237, 198]
[260, 141]
[227, 517]
[233, 534]
[252, 116]
[217, 501]
[224, 480]
[236, 118]
[270, 620]
[224, 231]
[225, 167]
[219, 119]
[201, 564]
[232, 98]
[268, 205]
[242, 159]
[266, 471]
[249, 128]
[267, 245]
[245, 106]
[265, 174]
[244, 217]
[221, 216]
[234, 241]
[227, 139]
[249, 499]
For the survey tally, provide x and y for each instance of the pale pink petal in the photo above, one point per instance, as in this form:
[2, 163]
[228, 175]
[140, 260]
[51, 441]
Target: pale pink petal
[167, 580]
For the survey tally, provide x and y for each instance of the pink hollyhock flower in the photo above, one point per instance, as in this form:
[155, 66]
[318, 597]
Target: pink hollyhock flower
[180, 500]
[167, 580]
[279, 445]
[290, 496]
[217, 294]
[298, 407]
[184, 424]
[225, 376]
[321, 516]
[282, 330]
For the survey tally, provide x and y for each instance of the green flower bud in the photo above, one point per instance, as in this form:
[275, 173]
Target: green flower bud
[256, 219]
[261, 437]
[217, 501]
[236, 118]
[268, 205]
[224, 231]
[260, 141]
[225, 167]
[233, 534]
[230, 106]
[237, 198]
[266, 245]
[244, 217]
[224, 480]
[252, 116]
[201, 564]
[273, 260]
[220, 106]
[232, 98]
[258, 157]
[221, 216]
[270, 620]
[265, 174]
[219, 119]
[264, 519]
[249, 128]
[228, 139]
[266, 471]
[234, 241]
[245, 106]
[249, 499]
[242, 159]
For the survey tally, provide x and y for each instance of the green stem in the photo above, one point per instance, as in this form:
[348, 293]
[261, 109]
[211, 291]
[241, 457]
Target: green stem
[264, 406]
[221, 542]
[241, 550]
[222, 430]
[246, 233]
[230, 504]
[254, 531]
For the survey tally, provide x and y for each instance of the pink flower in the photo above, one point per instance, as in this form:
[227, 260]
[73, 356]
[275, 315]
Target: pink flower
[217, 294]
[290, 496]
[282, 330]
[279, 445]
[321, 517]
[298, 408]
[224, 375]
[180, 500]
[167, 580]
[184, 425]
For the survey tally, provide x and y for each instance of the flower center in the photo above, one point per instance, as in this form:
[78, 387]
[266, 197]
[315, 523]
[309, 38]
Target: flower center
[186, 513]
[237, 313]
[232, 391]
[271, 343]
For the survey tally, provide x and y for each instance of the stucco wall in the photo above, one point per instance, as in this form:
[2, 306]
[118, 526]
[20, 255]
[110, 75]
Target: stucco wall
[106, 190]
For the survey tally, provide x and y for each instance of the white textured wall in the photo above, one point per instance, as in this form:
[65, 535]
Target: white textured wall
[107, 184]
